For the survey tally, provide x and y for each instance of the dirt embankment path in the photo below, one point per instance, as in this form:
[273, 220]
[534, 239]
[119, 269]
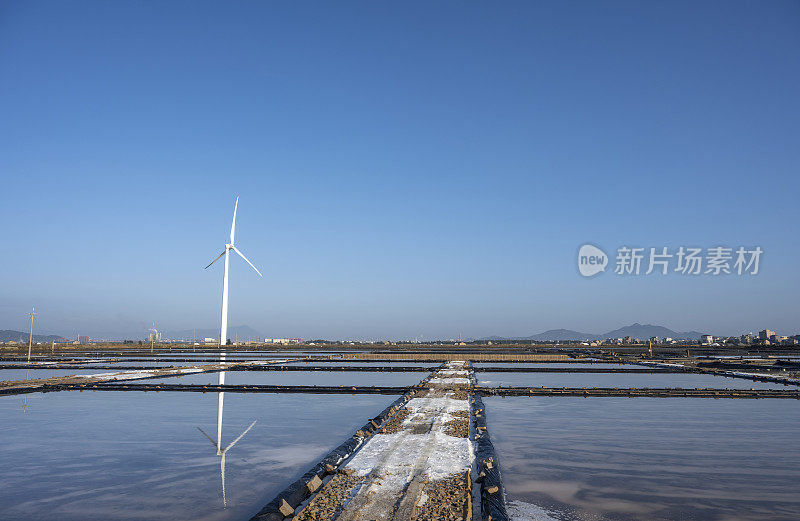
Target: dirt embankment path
[417, 467]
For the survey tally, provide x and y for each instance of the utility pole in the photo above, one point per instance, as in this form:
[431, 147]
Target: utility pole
[30, 338]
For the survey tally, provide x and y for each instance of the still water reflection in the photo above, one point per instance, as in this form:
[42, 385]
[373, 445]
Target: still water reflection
[563, 365]
[343, 378]
[32, 374]
[648, 458]
[118, 455]
[685, 380]
[367, 363]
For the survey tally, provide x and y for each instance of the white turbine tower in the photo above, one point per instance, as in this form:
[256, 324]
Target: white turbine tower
[223, 331]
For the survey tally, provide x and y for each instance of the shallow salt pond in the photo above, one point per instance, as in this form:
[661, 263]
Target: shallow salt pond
[687, 380]
[200, 359]
[32, 374]
[159, 365]
[343, 378]
[366, 363]
[479, 366]
[133, 455]
[648, 458]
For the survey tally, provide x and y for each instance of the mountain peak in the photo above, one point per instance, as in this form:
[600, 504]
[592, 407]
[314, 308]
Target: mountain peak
[635, 330]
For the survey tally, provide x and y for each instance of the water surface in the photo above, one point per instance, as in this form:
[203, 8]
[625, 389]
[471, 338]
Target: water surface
[31, 374]
[648, 458]
[364, 363]
[134, 456]
[337, 378]
[561, 365]
[684, 380]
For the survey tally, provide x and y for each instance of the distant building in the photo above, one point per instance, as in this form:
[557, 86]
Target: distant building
[706, 339]
[765, 334]
[746, 338]
[83, 339]
[284, 341]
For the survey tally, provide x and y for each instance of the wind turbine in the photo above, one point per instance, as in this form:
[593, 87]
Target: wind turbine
[220, 451]
[223, 332]
[30, 339]
[223, 337]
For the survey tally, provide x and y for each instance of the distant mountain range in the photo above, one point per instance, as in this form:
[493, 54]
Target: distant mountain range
[636, 330]
[9, 335]
[244, 332]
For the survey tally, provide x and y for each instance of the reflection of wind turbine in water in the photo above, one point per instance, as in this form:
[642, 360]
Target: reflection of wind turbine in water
[25, 399]
[218, 444]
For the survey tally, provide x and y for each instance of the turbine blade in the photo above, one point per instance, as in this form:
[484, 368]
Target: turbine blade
[215, 260]
[246, 260]
[222, 471]
[214, 443]
[240, 436]
[233, 224]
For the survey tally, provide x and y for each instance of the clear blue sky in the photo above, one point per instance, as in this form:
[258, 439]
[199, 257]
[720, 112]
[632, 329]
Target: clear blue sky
[414, 169]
